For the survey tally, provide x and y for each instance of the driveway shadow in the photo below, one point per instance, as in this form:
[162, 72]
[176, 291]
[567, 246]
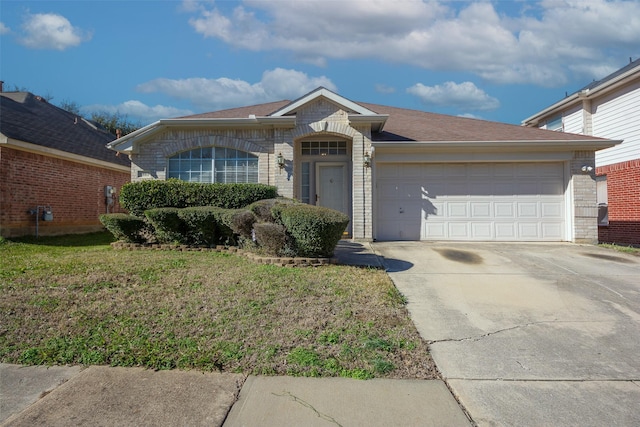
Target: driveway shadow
[393, 265]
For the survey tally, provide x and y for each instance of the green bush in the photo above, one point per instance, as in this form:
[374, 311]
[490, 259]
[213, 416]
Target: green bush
[224, 226]
[125, 227]
[242, 222]
[315, 230]
[263, 209]
[201, 225]
[272, 239]
[138, 197]
[167, 224]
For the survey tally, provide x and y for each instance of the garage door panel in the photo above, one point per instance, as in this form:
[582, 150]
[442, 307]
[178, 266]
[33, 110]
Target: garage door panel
[504, 210]
[527, 170]
[551, 188]
[479, 170]
[528, 230]
[480, 201]
[481, 231]
[552, 231]
[503, 189]
[435, 231]
[527, 189]
[503, 170]
[434, 189]
[457, 210]
[480, 188]
[481, 210]
[457, 189]
[435, 171]
[459, 230]
[551, 210]
[527, 210]
[505, 231]
[455, 170]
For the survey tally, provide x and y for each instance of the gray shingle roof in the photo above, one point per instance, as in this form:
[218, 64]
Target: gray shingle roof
[414, 125]
[30, 118]
[594, 84]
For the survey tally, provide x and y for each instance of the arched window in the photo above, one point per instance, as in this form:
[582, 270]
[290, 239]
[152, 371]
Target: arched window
[214, 164]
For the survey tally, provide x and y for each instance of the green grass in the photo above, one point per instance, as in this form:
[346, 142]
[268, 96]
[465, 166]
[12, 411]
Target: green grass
[75, 300]
[626, 249]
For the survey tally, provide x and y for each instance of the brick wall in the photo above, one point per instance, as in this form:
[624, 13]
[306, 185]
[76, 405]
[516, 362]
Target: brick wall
[623, 191]
[74, 191]
[584, 198]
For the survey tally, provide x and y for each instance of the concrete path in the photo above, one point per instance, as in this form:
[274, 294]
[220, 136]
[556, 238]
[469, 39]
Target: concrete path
[105, 396]
[528, 334]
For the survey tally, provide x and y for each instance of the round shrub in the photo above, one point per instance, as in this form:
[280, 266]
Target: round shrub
[167, 224]
[263, 209]
[242, 223]
[315, 230]
[272, 239]
[200, 224]
[127, 228]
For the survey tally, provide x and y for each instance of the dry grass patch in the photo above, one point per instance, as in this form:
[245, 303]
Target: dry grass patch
[84, 303]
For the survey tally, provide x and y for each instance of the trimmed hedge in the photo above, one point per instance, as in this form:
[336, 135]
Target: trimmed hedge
[167, 224]
[125, 227]
[138, 197]
[201, 225]
[263, 209]
[315, 230]
[272, 239]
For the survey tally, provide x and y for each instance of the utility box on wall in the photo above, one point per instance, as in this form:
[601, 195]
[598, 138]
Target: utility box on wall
[47, 214]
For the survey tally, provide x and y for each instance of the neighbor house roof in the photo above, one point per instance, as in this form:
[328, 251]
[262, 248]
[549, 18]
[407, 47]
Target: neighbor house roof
[596, 88]
[29, 121]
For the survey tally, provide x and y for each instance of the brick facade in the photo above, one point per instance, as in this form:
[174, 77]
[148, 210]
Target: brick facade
[74, 191]
[584, 198]
[623, 191]
[321, 119]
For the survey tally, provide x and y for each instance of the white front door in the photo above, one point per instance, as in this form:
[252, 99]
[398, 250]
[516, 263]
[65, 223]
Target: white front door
[331, 186]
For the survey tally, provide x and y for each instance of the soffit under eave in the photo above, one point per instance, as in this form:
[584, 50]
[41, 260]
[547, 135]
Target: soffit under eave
[496, 146]
[127, 142]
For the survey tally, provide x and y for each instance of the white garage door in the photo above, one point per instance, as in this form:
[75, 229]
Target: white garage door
[470, 201]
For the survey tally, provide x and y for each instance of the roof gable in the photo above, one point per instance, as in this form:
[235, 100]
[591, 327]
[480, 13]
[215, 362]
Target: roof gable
[29, 118]
[348, 105]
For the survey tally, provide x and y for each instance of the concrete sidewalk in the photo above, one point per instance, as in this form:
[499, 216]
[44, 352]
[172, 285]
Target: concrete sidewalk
[105, 396]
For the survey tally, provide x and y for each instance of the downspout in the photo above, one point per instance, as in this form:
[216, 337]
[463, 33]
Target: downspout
[364, 195]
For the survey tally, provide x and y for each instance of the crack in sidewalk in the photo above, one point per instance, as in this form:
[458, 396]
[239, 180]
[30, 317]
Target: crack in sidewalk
[488, 334]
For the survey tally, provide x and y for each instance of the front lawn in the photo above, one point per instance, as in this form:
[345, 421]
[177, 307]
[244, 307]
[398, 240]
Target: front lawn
[75, 300]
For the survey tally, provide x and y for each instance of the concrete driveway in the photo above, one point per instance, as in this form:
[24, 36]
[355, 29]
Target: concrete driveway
[528, 334]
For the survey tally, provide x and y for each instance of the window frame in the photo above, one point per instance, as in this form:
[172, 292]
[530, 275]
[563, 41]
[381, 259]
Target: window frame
[214, 164]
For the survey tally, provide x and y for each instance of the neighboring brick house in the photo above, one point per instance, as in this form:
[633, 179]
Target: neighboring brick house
[607, 108]
[54, 161]
[399, 174]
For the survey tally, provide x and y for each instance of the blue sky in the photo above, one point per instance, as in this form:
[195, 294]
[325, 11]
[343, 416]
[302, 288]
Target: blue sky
[151, 59]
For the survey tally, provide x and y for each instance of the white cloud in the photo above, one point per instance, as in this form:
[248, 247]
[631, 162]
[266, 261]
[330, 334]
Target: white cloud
[542, 43]
[463, 96]
[382, 88]
[51, 31]
[213, 94]
[470, 116]
[137, 111]
[4, 29]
